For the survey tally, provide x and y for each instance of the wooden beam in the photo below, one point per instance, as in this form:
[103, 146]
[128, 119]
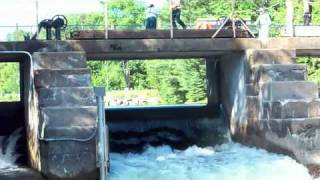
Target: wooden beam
[156, 34]
[165, 48]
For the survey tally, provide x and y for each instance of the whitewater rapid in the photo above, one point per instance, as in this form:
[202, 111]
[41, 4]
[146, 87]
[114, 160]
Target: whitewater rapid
[8, 154]
[229, 161]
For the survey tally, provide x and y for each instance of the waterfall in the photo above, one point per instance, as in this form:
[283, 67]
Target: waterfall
[224, 117]
[8, 154]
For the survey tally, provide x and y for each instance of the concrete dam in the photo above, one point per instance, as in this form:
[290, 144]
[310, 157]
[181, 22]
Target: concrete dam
[257, 96]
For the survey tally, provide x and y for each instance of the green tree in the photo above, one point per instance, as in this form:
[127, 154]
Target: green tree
[166, 77]
[90, 21]
[126, 14]
[108, 74]
[138, 75]
[17, 35]
[9, 80]
[193, 79]
[313, 66]
[178, 81]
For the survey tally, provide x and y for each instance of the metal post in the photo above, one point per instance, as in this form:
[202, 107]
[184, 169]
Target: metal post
[234, 26]
[171, 20]
[233, 19]
[37, 11]
[106, 19]
[103, 135]
[222, 26]
[290, 14]
[246, 27]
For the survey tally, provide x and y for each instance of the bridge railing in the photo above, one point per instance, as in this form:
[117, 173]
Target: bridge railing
[20, 32]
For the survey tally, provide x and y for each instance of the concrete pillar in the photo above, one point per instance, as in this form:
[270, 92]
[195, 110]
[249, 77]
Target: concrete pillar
[282, 109]
[212, 81]
[63, 128]
[232, 91]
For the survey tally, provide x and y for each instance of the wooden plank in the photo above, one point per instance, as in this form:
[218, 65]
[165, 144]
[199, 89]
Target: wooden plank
[156, 34]
[143, 34]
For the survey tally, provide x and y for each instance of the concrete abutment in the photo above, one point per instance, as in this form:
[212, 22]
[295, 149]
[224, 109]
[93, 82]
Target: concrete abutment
[271, 104]
[63, 126]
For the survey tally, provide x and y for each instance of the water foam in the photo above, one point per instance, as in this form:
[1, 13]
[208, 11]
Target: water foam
[8, 155]
[229, 161]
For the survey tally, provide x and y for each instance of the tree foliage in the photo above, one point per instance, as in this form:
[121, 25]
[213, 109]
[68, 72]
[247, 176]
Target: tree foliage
[178, 81]
[9, 81]
[313, 66]
[108, 74]
[86, 21]
[124, 14]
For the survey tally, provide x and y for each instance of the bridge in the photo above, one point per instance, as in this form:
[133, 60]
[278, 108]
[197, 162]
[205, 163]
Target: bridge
[166, 48]
[254, 90]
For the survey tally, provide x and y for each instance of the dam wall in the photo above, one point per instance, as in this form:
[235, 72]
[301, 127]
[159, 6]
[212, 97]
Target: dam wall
[260, 96]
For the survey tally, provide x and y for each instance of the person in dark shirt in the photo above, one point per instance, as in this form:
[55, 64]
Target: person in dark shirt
[176, 12]
[307, 16]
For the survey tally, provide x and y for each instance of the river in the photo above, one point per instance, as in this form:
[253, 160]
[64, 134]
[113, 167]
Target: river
[230, 161]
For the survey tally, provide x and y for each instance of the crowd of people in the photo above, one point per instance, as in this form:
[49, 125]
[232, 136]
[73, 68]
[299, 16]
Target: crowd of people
[263, 21]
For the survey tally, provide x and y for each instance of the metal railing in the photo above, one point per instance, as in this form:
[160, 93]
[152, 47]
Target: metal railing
[17, 32]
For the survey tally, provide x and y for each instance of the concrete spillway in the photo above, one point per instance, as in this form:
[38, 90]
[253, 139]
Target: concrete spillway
[260, 96]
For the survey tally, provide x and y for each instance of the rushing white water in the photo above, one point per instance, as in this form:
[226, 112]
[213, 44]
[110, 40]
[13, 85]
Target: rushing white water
[226, 162]
[8, 154]
[229, 161]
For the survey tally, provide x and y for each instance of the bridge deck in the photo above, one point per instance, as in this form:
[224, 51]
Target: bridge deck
[165, 48]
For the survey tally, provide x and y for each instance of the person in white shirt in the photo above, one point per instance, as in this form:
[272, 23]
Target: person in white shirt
[264, 22]
[152, 15]
[176, 12]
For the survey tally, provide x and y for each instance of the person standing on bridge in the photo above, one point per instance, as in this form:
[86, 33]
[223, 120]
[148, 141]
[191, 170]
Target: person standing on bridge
[152, 15]
[264, 22]
[307, 9]
[176, 12]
